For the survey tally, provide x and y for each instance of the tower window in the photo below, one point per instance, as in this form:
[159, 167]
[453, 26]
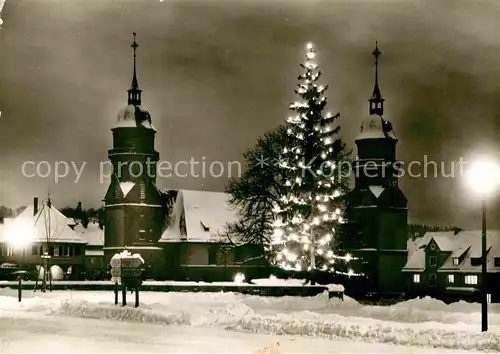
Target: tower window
[416, 278]
[143, 190]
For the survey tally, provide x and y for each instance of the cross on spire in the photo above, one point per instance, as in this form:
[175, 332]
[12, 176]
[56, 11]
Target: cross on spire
[134, 93]
[376, 101]
[134, 45]
[376, 53]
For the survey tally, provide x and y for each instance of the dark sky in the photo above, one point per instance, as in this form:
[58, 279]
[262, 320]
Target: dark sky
[216, 75]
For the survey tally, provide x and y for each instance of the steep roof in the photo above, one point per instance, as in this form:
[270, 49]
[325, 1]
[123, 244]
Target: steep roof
[92, 234]
[464, 245]
[49, 224]
[3, 227]
[205, 213]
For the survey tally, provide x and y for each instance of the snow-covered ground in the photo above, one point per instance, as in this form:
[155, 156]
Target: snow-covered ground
[228, 322]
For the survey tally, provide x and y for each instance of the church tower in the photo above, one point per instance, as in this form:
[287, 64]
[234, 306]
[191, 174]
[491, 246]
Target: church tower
[377, 210]
[134, 212]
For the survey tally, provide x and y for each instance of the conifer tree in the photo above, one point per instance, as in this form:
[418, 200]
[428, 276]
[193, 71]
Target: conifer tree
[256, 192]
[314, 162]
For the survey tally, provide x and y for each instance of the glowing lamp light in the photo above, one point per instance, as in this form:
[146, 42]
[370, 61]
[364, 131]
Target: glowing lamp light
[239, 278]
[20, 233]
[483, 176]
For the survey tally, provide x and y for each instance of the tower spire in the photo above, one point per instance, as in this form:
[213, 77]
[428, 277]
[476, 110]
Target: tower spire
[376, 101]
[134, 92]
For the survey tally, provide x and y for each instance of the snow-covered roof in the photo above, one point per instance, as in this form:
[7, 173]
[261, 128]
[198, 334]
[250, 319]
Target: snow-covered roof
[49, 224]
[131, 116]
[465, 244]
[375, 127]
[206, 215]
[94, 253]
[92, 234]
[416, 261]
[445, 241]
[3, 227]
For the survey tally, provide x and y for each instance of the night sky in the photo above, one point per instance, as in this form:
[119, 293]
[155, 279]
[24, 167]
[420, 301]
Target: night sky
[218, 74]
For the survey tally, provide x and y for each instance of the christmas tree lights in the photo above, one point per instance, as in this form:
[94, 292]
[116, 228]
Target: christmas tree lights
[311, 209]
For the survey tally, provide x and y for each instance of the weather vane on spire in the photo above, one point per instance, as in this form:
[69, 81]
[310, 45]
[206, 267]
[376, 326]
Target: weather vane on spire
[134, 93]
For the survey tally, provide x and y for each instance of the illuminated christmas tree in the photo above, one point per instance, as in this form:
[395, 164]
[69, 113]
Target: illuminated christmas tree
[317, 170]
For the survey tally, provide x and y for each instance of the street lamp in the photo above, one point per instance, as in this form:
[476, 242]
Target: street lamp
[483, 177]
[19, 235]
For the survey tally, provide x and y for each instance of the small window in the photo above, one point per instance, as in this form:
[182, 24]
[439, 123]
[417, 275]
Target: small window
[56, 251]
[456, 261]
[451, 278]
[34, 250]
[205, 227]
[143, 190]
[433, 247]
[142, 235]
[471, 279]
[497, 261]
[416, 278]
[432, 261]
[10, 251]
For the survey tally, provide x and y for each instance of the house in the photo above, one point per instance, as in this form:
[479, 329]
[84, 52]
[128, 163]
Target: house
[43, 230]
[193, 246]
[447, 265]
[93, 235]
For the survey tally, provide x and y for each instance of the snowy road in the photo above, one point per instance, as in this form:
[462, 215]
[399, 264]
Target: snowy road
[38, 333]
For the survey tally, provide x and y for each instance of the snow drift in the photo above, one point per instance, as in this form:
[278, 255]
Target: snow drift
[422, 322]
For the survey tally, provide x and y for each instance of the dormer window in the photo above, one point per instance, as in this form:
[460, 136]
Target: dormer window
[456, 261]
[476, 261]
[432, 261]
[205, 228]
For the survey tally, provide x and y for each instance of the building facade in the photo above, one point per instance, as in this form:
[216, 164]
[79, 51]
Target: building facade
[134, 208]
[376, 229]
[195, 247]
[447, 265]
[42, 231]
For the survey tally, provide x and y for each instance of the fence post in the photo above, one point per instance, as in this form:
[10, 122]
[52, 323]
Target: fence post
[124, 295]
[19, 290]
